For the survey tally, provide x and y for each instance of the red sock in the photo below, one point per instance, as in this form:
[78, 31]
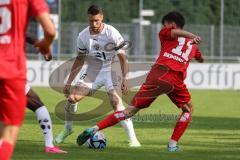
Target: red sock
[111, 120]
[6, 150]
[181, 126]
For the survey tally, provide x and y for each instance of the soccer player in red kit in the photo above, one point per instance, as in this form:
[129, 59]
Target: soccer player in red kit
[14, 15]
[167, 76]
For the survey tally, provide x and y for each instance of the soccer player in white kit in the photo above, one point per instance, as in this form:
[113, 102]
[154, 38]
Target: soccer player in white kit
[98, 72]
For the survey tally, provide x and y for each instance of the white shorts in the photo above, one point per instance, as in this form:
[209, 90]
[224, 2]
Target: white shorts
[97, 79]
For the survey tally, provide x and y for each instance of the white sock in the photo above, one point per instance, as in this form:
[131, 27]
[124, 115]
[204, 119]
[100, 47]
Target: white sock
[172, 143]
[45, 123]
[69, 108]
[128, 127]
[127, 124]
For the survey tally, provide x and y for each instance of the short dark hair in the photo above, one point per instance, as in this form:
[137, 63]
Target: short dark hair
[176, 17]
[94, 10]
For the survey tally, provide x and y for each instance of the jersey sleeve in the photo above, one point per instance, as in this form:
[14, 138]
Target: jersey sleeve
[81, 49]
[37, 7]
[118, 39]
[198, 55]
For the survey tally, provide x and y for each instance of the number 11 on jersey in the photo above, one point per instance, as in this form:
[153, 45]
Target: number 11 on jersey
[178, 49]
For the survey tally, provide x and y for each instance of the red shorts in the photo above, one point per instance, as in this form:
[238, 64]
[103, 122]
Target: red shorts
[162, 80]
[12, 101]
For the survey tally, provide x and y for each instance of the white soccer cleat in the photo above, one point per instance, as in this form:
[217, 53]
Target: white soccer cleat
[134, 143]
[173, 149]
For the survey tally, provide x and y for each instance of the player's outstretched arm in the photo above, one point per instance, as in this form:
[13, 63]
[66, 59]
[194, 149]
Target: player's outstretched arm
[182, 33]
[44, 45]
[125, 69]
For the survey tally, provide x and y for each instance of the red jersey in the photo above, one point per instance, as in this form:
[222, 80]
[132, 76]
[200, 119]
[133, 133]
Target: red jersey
[176, 52]
[14, 15]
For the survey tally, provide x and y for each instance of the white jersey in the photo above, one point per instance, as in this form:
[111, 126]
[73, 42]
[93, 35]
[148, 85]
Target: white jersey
[93, 45]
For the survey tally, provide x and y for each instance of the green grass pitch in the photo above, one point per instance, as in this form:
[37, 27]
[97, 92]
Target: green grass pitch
[213, 134]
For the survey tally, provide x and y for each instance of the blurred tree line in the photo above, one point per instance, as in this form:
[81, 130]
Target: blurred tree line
[195, 11]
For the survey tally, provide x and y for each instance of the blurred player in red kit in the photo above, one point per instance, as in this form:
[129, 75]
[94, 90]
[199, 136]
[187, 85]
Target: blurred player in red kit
[14, 15]
[167, 76]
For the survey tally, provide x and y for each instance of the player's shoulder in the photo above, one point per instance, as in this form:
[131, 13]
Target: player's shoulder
[165, 31]
[165, 34]
[110, 27]
[84, 32]
[111, 30]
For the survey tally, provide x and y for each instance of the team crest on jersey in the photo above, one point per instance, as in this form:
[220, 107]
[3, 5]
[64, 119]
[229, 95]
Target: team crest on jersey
[96, 46]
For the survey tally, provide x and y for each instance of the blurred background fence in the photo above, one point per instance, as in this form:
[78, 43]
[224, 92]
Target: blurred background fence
[202, 18]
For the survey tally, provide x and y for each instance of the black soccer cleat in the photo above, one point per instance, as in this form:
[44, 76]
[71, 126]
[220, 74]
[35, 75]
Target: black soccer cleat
[84, 136]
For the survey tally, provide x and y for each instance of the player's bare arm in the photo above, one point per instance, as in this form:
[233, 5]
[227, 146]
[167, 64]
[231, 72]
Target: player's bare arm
[125, 69]
[44, 45]
[77, 66]
[182, 33]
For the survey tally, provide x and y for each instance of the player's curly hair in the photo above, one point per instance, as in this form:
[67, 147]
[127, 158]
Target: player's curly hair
[176, 17]
[94, 10]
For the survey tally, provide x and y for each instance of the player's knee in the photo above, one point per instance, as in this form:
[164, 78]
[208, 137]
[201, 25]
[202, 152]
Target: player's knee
[128, 114]
[130, 111]
[11, 133]
[33, 101]
[34, 104]
[188, 107]
[71, 98]
[74, 98]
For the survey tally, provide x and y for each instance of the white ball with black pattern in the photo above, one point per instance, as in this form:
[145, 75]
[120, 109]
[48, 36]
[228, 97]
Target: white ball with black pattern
[98, 141]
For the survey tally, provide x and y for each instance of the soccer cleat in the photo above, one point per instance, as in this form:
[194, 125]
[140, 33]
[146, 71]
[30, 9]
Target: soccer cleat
[63, 135]
[134, 143]
[173, 149]
[85, 135]
[53, 150]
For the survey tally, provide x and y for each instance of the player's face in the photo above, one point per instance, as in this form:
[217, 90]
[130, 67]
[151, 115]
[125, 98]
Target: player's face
[169, 24]
[95, 22]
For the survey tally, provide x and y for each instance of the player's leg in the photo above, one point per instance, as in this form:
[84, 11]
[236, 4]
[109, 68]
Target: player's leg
[8, 139]
[12, 102]
[181, 97]
[143, 99]
[77, 94]
[127, 124]
[148, 92]
[109, 121]
[83, 87]
[112, 85]
[35, 104]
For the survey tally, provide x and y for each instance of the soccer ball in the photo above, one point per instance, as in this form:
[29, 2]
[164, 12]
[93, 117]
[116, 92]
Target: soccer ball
[98, 141]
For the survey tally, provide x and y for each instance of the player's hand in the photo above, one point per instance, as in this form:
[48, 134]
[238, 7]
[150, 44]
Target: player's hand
[197, 40]
[124, 86]
[44, 47]
[66, 90]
